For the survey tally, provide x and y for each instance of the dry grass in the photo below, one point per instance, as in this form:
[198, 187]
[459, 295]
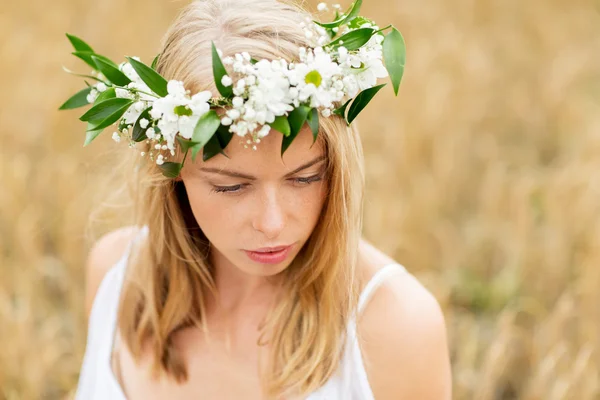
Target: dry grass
[483, 180]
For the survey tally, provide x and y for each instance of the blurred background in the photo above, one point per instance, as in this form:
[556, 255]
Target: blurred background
[483, 179]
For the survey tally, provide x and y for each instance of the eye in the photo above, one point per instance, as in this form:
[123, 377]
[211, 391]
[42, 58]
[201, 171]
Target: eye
[237, 188]
[309, 180]
[227, 189]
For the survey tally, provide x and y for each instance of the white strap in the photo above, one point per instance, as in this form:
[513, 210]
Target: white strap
[378, 278]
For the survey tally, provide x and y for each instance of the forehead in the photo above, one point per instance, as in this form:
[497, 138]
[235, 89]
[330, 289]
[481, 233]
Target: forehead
[266, 160]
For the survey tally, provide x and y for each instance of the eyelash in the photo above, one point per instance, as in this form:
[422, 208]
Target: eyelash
[236, 188]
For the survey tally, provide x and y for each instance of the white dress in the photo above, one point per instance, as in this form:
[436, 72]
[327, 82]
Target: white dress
[98, 382]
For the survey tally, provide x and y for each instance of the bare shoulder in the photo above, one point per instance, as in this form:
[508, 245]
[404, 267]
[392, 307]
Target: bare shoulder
[403, 338]
[105, 252]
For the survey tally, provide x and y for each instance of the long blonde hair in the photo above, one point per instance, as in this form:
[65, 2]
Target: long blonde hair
[169, 278]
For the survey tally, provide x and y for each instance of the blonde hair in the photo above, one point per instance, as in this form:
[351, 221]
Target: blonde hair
[170, 275]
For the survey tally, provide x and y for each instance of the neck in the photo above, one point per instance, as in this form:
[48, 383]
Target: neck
[237, 290]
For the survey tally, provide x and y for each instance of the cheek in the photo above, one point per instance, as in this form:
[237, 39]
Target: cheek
[214, 215]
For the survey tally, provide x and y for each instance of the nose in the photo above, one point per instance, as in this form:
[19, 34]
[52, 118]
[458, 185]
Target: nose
[269, 216]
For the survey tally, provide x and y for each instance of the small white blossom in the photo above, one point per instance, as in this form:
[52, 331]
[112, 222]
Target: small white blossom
[233, 114]
[237, 102]
[92, 96]
[160, 160]
[116, 137]
[144, 123]
[226, 81]
[226, 121]
[101, 87]
[322, 7]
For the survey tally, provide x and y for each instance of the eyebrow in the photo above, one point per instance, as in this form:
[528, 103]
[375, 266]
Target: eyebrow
[236, 174]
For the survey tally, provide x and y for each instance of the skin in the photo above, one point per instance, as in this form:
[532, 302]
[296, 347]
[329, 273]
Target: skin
[402, 329]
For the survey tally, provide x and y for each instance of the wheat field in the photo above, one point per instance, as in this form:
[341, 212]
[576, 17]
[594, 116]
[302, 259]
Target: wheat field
[483, 179]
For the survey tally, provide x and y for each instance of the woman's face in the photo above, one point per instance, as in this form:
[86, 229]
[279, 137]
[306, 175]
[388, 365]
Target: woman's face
[255, 199]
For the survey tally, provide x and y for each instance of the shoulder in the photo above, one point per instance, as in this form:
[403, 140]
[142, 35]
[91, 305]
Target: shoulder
[104, 253]
[402, 334]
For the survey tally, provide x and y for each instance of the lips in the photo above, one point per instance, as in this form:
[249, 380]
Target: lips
[269, 255]
[269, 249]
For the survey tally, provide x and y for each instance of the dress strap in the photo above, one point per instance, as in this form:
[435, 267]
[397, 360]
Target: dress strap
[376, 280]
[112, 302]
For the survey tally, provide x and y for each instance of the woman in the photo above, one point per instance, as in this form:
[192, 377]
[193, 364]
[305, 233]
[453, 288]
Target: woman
[248, 278]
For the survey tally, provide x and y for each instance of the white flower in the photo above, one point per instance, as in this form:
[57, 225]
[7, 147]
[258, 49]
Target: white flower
[226, 81]
[132, 114]
[237, 102]
[264, 131]
[226, 121]
[116, 137]
[144, 123]
[233, 114]
[160, 160]
[92, 96]
[150, 133]
[169, 121]
[101, 87]
[322, 7]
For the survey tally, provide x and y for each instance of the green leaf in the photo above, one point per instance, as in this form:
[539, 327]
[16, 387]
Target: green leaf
[281, 124]
[211, 148]
[341, 111]
[348, 16]
[359, 21]
[138, 134]
[87, 57]
[313, 121]
[78, 44]
[79, 99]
[91, 133]
[224, 136]
[111, 72]
[109, 93]
[361, 100]
[219, 72]
[104, 109]
[154, 62]
[394, 57]
[111, 118]
[297, 118]
[205, 128]
[185, 143]
[153, 79]
[171, 169]
[217, 143]
[353, 40]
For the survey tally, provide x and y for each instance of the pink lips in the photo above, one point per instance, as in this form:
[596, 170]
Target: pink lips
[269, 255]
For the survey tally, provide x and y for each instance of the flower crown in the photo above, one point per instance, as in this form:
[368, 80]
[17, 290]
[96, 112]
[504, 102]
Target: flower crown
[336, 75]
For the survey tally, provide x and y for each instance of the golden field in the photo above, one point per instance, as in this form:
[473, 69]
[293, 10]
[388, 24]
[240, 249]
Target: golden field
[483, 179]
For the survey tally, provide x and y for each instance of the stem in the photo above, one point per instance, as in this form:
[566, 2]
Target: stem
[184, 156]
[140, 91]
[383, 29]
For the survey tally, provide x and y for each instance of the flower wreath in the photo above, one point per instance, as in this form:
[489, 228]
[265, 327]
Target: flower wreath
[336, 75]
